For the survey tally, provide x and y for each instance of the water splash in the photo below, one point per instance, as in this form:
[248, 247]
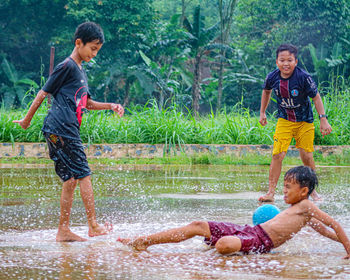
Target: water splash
[143, 200]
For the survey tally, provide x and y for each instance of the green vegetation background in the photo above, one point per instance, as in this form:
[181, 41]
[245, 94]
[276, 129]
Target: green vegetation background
[149, 63]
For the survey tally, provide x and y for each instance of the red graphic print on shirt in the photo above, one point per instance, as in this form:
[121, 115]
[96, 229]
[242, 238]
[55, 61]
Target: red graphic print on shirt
[80, 100]
[284, 89]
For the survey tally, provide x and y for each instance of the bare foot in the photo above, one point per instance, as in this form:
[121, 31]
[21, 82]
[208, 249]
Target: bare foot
[100, 230]
[267, 198]
[65, 235]
[137, 244]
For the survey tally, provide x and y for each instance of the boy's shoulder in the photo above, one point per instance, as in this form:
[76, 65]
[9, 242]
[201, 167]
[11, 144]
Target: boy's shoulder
[69, 67]
[305, 202]
[274, 73]
[301, 72]
[306, 205]
[66, 63]
[305, 79]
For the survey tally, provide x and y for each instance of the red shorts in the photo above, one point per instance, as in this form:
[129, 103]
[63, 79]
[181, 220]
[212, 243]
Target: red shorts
[254, 239]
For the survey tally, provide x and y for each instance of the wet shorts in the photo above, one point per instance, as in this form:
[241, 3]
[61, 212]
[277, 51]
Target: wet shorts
[302, 132]
[254, 239]
[69, 157]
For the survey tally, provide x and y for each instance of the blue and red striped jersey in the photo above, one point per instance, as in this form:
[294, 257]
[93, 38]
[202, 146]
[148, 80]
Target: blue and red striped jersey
[293, 94]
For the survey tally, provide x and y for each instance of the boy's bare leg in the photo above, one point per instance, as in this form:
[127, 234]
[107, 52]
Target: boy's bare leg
[228, 245]
[87, 196]
[64, 234]
[308, 160]
[175, 235]
[274, 174]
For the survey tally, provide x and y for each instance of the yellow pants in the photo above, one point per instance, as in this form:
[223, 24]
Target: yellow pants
[302, 132]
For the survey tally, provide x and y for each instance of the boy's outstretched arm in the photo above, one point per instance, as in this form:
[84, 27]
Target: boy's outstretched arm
[330, 222]
[325, 127]
[265, 99]
[25, 122]
[321, 229]
[94, 105]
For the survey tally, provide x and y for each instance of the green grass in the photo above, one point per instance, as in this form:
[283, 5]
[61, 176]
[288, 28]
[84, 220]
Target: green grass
[336, 101]
[173, 126]
[149, 125]
[206, 159]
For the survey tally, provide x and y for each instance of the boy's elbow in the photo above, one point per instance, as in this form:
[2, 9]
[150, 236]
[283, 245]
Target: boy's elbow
[42, 93]
[335, 225]
[267, 92]
[317, 97]
[89, 104]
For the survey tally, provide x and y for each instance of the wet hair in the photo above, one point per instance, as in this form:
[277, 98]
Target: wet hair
[287, 47]
[89, 32]
[304, 176]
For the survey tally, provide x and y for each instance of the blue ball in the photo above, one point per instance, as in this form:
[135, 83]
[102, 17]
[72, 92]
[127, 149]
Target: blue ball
[264, 213]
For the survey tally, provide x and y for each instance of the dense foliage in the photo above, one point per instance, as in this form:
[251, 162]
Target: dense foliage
[202, 55]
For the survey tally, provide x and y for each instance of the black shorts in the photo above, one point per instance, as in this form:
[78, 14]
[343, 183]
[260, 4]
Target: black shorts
[69, 157]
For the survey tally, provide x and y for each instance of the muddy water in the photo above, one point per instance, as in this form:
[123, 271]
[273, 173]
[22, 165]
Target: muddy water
[146, 199]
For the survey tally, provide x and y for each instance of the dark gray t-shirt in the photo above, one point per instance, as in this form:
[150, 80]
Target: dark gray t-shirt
[69, 88]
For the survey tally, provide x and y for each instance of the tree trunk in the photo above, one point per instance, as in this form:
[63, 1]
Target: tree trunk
[183, 9]
[221, 74]
[226, 18]
[221, 40]
[127, 91]
[161, 100]
[105, 93]
[196, 84]
[168, 93]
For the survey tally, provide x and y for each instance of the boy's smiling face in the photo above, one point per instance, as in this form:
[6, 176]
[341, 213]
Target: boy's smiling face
[293, 192]
[286, 63]
[89, 50]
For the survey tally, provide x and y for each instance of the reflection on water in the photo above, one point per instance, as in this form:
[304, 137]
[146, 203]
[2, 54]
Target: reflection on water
[146, 199]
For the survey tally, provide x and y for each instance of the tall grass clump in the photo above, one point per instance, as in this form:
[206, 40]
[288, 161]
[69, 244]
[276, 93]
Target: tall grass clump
[336, 100]
[171, 126]
[146, 124]
[174, 126]
[237, 127]
[11, 132]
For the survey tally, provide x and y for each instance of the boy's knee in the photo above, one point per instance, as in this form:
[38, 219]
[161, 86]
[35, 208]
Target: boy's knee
[306, 156]
[228, 245]
[200, 228]
[70, 183]
[199, 224]
[84, 179]
[279, 156]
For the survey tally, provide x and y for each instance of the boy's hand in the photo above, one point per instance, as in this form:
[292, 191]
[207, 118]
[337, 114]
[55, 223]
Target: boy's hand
[23, 123]
[118, 109]
[325, 127]
[346, 257]
[263, 119]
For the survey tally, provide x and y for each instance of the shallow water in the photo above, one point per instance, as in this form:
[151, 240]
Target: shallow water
[146, 199]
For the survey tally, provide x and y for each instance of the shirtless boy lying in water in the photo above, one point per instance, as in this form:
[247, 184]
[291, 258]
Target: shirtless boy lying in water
[228, 238]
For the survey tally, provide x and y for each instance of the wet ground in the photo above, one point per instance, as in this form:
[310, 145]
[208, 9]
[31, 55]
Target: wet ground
[145, 199]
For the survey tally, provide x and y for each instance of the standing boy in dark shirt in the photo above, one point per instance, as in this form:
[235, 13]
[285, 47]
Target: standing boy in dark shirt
[69, 88]
[293, 88]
